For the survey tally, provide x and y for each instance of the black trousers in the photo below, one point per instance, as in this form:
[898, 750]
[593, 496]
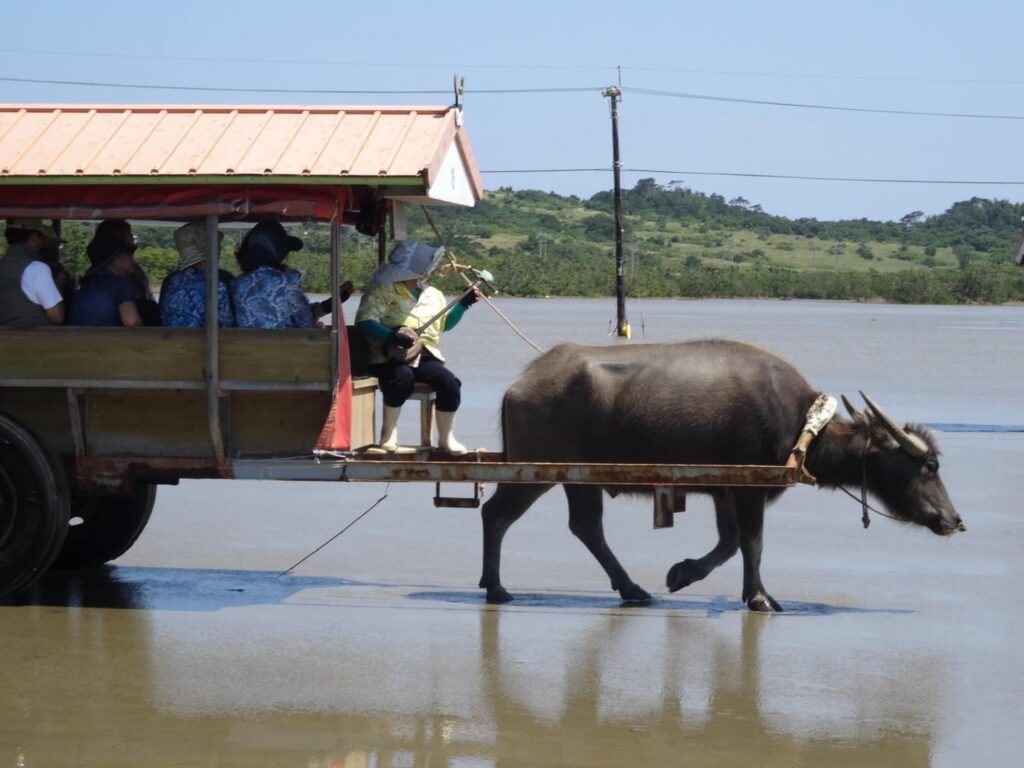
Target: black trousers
[397, 379]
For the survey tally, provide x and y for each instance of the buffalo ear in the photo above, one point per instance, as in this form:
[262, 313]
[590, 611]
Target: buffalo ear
[854, 413]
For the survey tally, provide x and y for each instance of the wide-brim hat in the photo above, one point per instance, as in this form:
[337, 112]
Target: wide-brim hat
[104, 247]
[271, 236]
[33, 225]
[409, 260]
[193, 243]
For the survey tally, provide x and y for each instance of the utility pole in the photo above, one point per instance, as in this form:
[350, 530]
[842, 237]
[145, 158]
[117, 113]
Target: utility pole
[614, 93]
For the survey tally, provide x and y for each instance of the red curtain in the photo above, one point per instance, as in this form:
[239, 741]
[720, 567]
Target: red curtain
[336, 434]
[239, 201]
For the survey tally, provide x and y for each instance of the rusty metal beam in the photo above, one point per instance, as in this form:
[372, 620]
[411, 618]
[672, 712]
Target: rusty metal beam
[112, 473]
[698, 475]
[490, 467]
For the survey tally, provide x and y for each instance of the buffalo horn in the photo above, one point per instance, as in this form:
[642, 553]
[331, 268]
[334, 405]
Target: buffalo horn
[854, 413]
[912, 444]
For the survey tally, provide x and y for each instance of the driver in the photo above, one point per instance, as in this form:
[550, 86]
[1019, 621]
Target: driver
[396, 302]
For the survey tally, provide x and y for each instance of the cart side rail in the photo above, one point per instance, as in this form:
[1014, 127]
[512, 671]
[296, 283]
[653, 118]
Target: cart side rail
[161, 358]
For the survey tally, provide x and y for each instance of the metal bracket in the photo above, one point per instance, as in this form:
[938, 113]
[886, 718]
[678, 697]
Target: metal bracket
[450, 501]
[668, 499]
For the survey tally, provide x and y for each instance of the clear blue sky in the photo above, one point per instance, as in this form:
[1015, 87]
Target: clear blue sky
[938, 56]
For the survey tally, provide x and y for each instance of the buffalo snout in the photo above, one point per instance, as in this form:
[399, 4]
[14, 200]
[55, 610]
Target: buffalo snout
[947, 525]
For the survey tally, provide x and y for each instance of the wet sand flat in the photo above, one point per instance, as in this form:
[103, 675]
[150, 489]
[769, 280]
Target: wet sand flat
[897, 648]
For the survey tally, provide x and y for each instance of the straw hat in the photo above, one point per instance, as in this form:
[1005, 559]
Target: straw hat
[409, 260]
[193, 242]
[34, 225]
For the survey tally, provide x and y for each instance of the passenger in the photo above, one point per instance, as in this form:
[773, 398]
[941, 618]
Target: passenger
[121, 230]
[29, 298]
[268, 294]
[396, 302]
[49, 254]
[183, 294]
[109, 291]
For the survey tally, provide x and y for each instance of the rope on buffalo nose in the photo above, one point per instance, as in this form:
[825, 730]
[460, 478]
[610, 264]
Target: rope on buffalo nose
[864, 519]
[864, 485]
[353, 522]
[863, 499]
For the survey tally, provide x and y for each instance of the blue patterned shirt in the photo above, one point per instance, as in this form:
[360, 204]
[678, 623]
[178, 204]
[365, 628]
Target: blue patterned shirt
[270, 298]
[183, 299]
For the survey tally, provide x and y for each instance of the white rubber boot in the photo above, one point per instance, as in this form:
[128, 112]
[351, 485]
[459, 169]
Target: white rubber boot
[445, 439]
[389, 429]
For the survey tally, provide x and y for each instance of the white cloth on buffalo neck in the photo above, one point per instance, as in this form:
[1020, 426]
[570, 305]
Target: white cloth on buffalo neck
[820, 413]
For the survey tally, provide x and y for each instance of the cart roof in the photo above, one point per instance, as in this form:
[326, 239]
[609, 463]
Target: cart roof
[75, 161]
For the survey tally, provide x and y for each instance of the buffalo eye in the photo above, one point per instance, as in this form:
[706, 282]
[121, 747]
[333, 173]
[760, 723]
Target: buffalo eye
[932, 465]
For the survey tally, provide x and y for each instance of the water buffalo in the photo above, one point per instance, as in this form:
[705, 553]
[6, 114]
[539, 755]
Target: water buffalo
[698, 402]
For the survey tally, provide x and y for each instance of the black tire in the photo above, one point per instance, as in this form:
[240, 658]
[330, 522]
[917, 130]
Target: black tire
[104, 527]
[34, 506]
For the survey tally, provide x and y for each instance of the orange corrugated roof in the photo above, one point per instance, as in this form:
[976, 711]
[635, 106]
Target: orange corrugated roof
[322, 144]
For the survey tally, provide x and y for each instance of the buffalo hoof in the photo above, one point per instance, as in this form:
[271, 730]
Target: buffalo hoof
[683, 575]
[498, 595]
[634, 595]
[762, 603]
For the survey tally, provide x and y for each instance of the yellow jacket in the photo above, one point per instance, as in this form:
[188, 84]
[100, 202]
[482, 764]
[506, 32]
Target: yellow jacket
[393, 305]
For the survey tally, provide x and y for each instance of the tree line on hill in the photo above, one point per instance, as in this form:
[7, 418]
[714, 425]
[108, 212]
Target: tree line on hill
[575, 256]
[544, 244]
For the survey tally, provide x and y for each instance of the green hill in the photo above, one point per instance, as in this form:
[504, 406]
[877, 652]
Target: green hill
[683, 243]
[678, 242]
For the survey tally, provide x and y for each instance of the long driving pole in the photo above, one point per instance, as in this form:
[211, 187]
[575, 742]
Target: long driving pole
[621, 326]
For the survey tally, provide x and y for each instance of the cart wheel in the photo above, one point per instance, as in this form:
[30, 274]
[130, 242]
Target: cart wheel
[34, 506]
[102, 528]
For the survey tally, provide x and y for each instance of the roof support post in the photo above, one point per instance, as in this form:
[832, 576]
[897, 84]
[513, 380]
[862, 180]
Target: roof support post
[382, 234]
[337, 328]
[212, 366]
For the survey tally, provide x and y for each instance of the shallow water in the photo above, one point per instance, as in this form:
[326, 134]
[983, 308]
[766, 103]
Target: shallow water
[898, 648]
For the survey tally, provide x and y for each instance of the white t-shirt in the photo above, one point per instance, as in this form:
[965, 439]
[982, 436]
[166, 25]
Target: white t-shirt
[37, 283]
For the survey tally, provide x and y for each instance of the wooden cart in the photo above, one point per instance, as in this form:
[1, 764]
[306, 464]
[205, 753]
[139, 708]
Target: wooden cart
[93, 419]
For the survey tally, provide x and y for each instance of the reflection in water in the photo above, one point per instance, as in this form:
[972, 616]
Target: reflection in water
[730, 722]
[168, 589]
[342, 675]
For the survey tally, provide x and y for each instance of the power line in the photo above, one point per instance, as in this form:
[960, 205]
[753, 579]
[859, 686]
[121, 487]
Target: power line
[550, 170]
[813, 76]
[855, 179]
[317, 62]
[519, 66]
[493, 91]
[705, 97]
[317, 91]
[208, 88]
